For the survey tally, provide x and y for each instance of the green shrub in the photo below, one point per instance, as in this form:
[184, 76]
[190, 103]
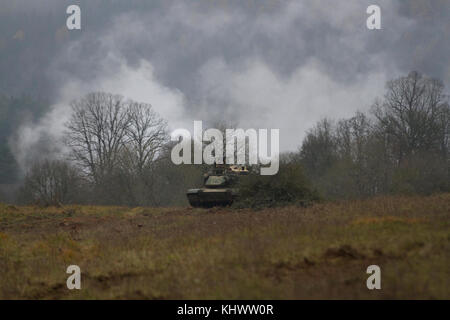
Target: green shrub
[288, 187]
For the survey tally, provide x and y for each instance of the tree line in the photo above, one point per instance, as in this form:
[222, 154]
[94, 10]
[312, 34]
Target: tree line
[120, 152]
[400, 146]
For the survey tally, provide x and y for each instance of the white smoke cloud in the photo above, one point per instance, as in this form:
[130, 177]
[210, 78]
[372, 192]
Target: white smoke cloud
[143, 55]
[139, 83]
[261, 98]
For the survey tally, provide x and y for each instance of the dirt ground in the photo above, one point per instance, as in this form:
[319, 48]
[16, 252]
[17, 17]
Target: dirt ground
[320, 252]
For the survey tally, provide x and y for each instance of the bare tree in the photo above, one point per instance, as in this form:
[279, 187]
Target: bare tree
[411, 113]
[144, 141]
[96, 132]
[116, 143]
[145, 136]
[318, 150]
[50, 182]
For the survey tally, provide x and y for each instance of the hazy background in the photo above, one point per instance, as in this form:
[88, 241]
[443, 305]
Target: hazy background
[264, 64]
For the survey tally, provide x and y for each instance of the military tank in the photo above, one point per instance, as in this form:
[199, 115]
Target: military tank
[219, 187]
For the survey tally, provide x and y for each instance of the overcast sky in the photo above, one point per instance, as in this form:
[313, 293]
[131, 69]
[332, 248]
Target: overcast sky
[261, 64]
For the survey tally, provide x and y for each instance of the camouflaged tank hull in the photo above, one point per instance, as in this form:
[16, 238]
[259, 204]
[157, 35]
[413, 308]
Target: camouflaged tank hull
[207, 198]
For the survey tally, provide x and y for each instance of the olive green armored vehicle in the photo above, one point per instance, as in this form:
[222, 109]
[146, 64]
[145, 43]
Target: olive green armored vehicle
[219, 187]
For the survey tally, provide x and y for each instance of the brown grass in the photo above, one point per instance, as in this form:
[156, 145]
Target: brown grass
[184, 253]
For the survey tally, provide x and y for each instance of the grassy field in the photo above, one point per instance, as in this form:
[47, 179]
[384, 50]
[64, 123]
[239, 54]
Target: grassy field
[183, 253]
